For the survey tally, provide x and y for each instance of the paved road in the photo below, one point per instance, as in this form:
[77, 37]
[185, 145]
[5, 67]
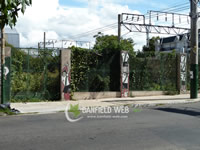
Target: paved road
[174, 127]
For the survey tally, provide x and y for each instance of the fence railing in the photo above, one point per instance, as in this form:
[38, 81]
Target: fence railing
[35, 74]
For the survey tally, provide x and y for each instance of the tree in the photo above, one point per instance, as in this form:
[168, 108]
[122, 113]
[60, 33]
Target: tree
[151, 45]
[9, 10]
[106, 44]
[150, 51]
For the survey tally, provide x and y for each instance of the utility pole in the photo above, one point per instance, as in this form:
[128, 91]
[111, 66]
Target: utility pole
[44, 40]
[147, 34]
[119, 27]
[194, 50]
[45, 65]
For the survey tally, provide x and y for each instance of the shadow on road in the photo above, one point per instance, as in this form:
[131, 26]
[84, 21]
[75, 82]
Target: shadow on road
[180, 111]
[167, 99]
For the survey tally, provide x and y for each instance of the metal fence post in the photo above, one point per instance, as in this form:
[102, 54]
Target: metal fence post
[6, 76]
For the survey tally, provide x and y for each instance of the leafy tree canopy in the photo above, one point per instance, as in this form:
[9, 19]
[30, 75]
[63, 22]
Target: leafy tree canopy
[109, 43]
[9, 10]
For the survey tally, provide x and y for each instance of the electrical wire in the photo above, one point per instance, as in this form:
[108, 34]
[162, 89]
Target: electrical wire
[176, 8]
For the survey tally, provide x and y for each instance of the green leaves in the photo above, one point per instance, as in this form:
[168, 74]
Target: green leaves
[82, 61]
[109, 43]
[9, 11]
[6, 2]
[23, 8]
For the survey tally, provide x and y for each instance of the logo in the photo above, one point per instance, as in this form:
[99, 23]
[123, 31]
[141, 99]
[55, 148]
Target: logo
[74, 113]
[74, 110]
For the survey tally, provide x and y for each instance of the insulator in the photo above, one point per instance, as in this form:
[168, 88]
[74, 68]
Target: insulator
[157, 17]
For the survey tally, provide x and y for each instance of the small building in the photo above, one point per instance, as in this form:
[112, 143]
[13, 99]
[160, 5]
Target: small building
[12, 37]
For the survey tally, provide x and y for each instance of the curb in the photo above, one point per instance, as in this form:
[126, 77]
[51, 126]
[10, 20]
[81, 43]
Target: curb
[164, 103]
[133, 104]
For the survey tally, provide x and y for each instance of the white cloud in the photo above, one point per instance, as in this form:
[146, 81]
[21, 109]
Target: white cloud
[61, 22]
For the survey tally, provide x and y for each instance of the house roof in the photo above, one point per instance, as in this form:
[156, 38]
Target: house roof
[173, 38]
[168, 39]
[180, 37]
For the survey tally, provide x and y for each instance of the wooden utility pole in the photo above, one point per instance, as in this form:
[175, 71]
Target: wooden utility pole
[194, 50]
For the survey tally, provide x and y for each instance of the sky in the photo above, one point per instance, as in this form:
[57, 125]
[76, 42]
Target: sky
[69, 19]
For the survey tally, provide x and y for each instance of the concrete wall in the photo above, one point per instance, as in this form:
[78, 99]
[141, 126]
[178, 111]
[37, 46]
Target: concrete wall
[99, 95]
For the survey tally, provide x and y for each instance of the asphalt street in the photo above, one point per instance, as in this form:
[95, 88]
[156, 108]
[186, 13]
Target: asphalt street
[165, 127]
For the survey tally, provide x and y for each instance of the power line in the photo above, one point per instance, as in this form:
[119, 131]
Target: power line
[177, 7]
[174, 7]
[112, 26]
[175, 10]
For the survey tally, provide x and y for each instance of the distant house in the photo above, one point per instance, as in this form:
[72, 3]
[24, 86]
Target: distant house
[179, 43]
[12, 37]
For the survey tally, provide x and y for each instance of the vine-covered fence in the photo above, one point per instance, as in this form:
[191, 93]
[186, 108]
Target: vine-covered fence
[94, 72]
[154, 73]
[36, 73]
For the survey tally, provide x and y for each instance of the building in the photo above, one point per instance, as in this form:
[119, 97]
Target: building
[179, 43]
[12, 37]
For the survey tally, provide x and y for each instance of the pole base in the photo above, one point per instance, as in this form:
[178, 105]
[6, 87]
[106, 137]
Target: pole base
[194, 81]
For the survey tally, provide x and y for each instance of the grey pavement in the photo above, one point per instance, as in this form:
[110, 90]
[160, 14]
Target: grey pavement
[52, 107]
[162, 127]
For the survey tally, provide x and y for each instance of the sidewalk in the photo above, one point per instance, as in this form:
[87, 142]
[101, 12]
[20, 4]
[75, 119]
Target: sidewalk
[52, 107]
